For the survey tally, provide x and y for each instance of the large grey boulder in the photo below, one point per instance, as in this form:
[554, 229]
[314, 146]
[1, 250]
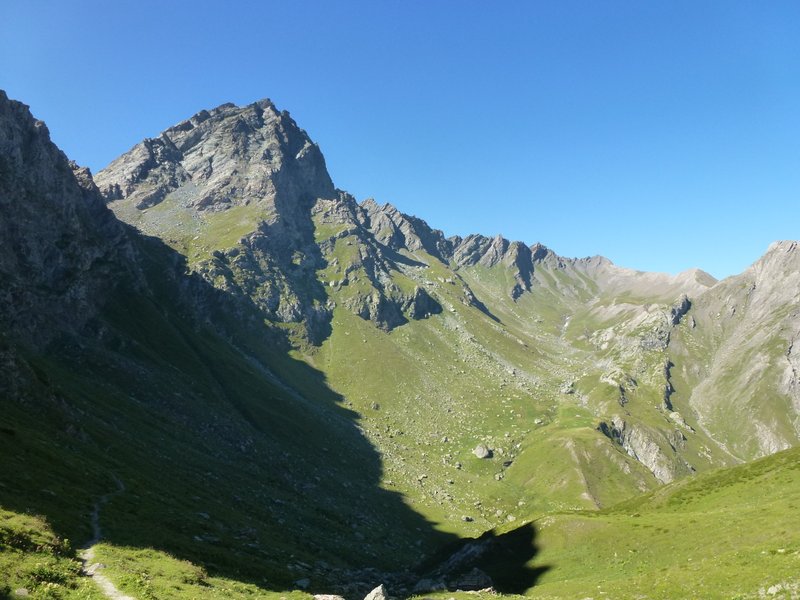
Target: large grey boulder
[379, 593]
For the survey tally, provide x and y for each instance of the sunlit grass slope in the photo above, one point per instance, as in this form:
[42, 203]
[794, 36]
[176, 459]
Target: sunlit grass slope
[731, 533]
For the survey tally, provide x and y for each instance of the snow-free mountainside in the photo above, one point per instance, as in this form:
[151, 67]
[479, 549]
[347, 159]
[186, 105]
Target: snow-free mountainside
[223, 377]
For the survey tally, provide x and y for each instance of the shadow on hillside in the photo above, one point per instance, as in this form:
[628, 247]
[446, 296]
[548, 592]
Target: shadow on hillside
[508, 562]
[234, 456]
[505, 558]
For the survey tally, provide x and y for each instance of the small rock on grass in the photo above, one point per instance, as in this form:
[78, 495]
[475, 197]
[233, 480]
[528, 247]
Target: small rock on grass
[481, 451]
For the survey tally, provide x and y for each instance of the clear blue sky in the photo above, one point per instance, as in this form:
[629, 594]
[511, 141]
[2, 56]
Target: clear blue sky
[663, 135]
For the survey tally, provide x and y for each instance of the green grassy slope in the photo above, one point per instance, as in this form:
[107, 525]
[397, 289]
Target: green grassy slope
[724, 534]
[33, 558]
[729, 533]
[524, 379]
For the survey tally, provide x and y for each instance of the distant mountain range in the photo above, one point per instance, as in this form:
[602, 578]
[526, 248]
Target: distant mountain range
[286, 389]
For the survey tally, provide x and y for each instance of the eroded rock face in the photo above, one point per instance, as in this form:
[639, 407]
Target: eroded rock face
[59, 244]
[642, 445]
[231, 155]
[791, 378]
[488, 252]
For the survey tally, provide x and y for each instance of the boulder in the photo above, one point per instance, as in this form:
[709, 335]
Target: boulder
[481, 451]
[379, 593]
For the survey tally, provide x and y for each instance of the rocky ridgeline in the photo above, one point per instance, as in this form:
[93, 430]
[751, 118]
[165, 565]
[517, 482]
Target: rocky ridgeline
[63, 247]
[374, 257]
[257, 156]
[674, 350]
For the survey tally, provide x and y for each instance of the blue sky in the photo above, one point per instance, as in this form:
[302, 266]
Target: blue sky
[663, 135]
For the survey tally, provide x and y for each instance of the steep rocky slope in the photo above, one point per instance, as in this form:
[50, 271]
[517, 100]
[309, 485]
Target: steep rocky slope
[736, 356]
[58, 237]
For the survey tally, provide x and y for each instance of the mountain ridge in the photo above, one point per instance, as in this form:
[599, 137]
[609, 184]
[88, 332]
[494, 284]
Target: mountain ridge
[275, 361]
[374, 256]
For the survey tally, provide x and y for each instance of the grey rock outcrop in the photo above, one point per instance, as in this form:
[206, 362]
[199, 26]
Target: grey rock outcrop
[231, 156]
[60, 244]
[399, 231]
[251, 157]
[379, 593]
[641, 444]
[489, 252]
[679, 309]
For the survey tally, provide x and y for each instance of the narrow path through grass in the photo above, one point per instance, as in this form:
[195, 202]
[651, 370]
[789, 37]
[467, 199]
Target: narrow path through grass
[91, 568]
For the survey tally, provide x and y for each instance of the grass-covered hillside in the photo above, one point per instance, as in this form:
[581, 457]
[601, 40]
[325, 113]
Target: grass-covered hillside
[729, 533]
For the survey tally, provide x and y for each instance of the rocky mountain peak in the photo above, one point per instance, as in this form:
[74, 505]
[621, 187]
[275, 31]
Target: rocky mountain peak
[774, 277]
[223, 157]
[539, 252]
[233, 188]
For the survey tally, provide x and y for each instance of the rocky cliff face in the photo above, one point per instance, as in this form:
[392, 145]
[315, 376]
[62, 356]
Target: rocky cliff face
[737, 358]
[60, 243]
[221, 158]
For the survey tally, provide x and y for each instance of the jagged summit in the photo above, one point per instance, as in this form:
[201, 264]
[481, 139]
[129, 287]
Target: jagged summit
[224, 157]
